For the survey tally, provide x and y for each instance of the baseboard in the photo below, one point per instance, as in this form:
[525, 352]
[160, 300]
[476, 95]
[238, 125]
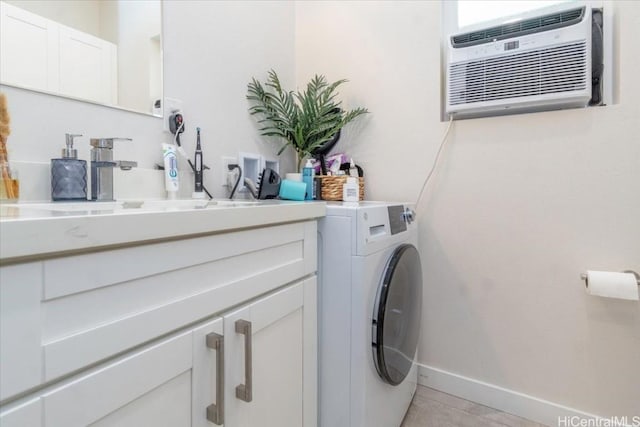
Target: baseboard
[513, 402]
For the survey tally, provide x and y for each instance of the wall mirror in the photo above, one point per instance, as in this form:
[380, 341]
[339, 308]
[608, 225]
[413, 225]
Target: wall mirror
[107, 52]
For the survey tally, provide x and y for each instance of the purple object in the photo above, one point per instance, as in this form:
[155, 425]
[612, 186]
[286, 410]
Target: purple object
[330, 160]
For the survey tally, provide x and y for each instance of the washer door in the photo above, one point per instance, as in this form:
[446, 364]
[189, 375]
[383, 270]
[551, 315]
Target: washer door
[396, 315]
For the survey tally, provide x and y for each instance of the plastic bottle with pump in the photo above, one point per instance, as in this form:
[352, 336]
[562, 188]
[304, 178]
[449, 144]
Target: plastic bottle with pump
[308, 173]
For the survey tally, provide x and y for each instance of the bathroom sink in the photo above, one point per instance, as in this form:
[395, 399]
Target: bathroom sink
[231, 203]
[122, 206]
[68, 206]
[186, 204]
[163, 205]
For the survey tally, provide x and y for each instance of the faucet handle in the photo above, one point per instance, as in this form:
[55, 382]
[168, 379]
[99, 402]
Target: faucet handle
[69, 138]
[126, 165]
[106, 142]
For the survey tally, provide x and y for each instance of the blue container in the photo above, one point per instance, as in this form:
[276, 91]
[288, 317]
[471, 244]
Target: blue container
[292, 190]
[307, 177]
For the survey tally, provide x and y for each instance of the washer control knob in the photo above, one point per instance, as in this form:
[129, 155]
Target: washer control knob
[408, 215]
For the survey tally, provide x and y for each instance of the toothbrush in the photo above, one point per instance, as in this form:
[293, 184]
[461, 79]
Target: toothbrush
[198, 165]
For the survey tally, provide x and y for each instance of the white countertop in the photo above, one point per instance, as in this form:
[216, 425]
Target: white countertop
[32, 230]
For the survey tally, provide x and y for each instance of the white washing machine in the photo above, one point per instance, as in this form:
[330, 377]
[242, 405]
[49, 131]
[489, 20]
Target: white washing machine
[369, 310]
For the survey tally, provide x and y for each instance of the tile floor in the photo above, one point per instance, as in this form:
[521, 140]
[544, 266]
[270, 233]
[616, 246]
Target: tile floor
[431, 408]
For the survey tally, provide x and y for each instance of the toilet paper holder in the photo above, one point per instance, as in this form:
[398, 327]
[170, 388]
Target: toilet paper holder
[583, 276]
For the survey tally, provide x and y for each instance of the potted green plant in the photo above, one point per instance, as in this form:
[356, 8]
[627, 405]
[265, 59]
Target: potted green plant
[304, 120]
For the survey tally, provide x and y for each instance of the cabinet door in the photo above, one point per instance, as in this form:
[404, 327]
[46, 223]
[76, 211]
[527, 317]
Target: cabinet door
[25, 414]
[153, 387]
[88, 67]
[266, 361]
[28, 49]
[20, 332]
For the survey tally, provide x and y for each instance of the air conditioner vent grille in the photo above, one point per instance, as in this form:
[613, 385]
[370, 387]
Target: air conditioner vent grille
[555, 69]
[527, 26]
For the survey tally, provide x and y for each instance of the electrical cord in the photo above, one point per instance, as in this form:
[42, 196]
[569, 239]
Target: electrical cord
[176, 136]
[235, 187]
[435, 162]
[251, 187]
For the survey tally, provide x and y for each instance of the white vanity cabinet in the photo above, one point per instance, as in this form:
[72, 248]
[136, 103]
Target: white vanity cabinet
[164, 334]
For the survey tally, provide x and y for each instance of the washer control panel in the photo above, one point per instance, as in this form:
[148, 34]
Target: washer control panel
[397, 219]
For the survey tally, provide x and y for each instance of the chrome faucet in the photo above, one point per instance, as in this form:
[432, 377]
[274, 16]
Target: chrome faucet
[102, 165]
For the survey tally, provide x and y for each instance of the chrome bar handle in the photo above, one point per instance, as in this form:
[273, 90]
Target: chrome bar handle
[244, 391]
[215, 411]
[125, 165]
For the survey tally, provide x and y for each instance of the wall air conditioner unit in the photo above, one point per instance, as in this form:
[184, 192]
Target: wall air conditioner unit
[540, 62]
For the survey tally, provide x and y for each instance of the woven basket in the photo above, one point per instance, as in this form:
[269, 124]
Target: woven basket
[331, 187]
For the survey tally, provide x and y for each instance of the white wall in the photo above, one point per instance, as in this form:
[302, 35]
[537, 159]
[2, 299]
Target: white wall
[211, 50]
[109, 17]
[138, 23]
[520, 206]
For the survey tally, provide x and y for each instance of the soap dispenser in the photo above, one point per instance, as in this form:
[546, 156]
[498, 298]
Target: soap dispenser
[69, 174]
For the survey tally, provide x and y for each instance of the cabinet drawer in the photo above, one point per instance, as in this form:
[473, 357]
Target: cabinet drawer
[83, 309]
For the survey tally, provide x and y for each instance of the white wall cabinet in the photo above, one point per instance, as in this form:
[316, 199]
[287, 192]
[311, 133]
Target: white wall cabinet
[28, 49]
[38, 53]
[257, 333]
[88, 66]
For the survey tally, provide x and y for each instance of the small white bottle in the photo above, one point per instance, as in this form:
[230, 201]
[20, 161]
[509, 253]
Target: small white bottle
[353, 171]
[350, 190]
